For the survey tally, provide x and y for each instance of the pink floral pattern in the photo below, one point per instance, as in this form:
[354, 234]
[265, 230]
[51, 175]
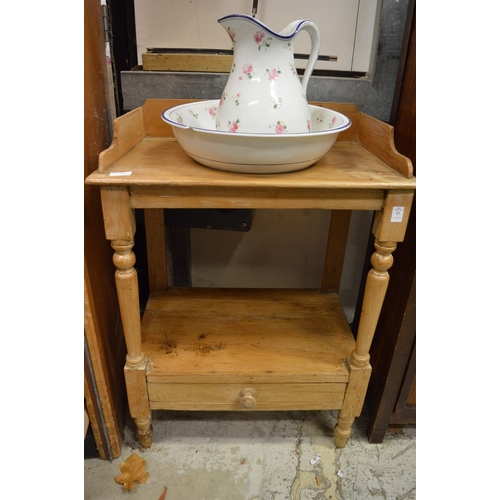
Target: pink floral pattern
[332, 123]
[232, 35]
[273, 73]
[279, 128]
[259, 36]
[247, 70]
[233, 125]
[237, 99]
[212, 111]
[260, 40]
[223, 99]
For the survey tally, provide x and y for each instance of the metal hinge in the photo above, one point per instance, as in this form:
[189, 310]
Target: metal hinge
[105, 20]
[255, 6]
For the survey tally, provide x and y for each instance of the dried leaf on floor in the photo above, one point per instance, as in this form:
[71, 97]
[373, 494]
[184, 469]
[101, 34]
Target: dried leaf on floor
[133, 472]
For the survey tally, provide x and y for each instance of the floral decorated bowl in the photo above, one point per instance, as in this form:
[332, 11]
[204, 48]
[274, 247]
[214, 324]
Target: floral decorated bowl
[193, 125]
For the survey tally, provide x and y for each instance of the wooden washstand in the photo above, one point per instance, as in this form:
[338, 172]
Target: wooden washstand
[248, 349]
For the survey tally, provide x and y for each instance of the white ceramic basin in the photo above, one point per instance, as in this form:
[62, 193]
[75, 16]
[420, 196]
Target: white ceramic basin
[194, 127]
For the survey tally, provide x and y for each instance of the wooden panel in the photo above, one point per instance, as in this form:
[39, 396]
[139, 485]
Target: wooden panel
[216, 63]
[130, 131]
[98, 377]
[298, 336]
[226, 397]
[104, 337]
[374, 135]
[335, 250]
[412, 396]
[154, 126]
[405, 408]
[180, 245]
[92, 407]
[231, 198]
[156, 243]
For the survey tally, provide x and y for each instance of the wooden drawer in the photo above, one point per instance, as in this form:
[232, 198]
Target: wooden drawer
[228, 397]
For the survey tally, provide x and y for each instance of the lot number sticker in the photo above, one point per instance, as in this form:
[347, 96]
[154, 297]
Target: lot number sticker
[397, 214]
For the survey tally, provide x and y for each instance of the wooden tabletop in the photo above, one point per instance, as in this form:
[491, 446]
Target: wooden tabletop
[161, 161]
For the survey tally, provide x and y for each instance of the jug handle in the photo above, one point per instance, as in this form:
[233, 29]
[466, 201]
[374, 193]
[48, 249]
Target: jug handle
[313, 31]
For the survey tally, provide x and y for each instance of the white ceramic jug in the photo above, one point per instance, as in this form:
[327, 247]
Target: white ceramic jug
[263, 93]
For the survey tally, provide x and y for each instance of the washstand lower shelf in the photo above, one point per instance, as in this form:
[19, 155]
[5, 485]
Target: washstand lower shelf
[251, 349]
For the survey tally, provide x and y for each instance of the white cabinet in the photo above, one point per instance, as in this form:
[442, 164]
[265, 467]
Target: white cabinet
[348, 28]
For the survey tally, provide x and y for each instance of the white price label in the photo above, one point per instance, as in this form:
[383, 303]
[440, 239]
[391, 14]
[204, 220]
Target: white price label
[119, 174]
[397, 214]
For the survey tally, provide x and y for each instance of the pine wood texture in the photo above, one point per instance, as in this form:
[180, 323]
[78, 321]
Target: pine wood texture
[120, 227]
[210, 196]
[126, 134]
[119, 221]
[384, 227]
[245, 335]
[227, 397]
[158, 161]
[205, 346]
[346, 166]
[375, 136]
[217, 63]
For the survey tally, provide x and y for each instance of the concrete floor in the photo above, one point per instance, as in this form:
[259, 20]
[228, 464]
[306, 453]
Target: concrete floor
[260, 456]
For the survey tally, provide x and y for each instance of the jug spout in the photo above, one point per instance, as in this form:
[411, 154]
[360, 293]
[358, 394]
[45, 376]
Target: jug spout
[263, 93]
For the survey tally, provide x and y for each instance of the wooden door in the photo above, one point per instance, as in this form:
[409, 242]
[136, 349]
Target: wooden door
[104, 343]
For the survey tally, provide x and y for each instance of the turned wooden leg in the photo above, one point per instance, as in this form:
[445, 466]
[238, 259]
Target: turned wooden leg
[342, 430]
[119, 223]
[359, 361]
[136, 363]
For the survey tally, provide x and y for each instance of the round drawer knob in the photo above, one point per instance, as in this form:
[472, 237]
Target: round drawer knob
[247, 397]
